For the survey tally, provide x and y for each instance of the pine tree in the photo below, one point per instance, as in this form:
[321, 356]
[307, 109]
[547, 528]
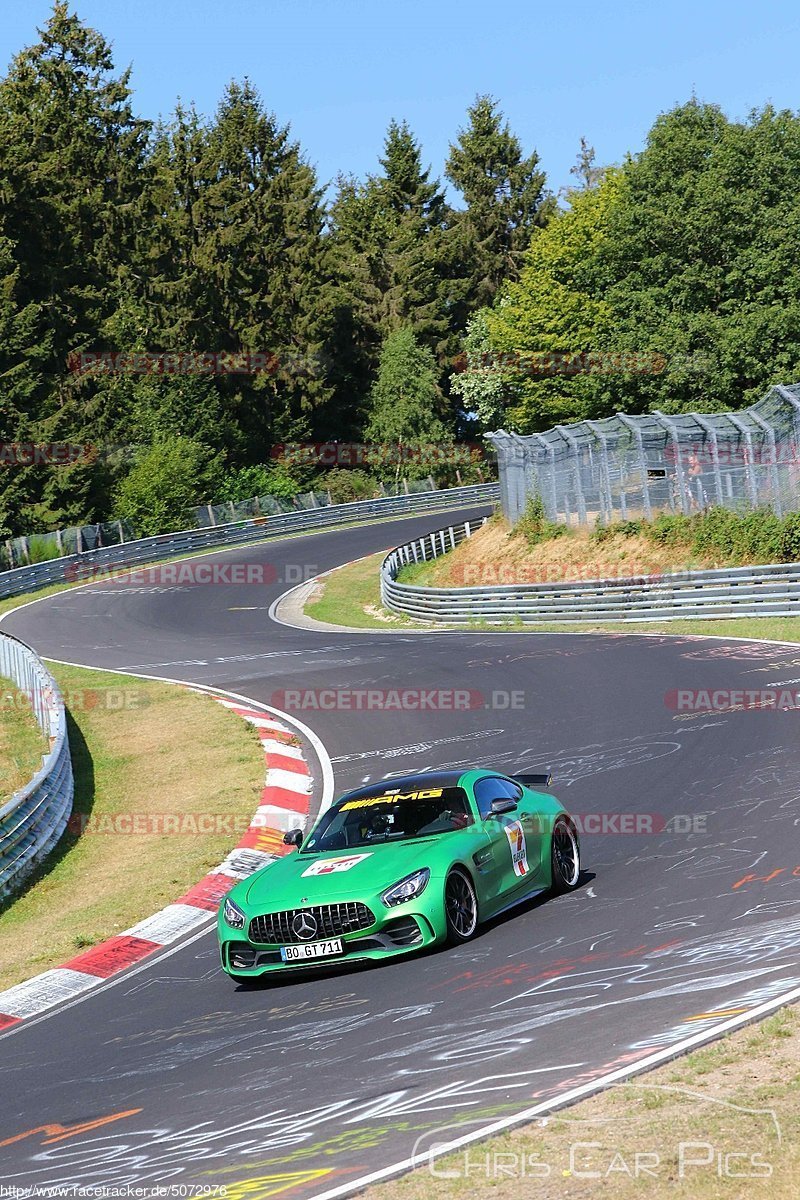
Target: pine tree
[505, 200]
[406, 405]
[71, 151]
[392, 245]
[243, 263]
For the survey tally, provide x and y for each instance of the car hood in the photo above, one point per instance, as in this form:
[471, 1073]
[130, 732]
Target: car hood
[338, 874]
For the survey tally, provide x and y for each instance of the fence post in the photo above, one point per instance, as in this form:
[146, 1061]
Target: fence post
[637, 434]
[576, 472]
[673, 432]
[752, 486]
[606, 471]
[712, 433]
[776, 486]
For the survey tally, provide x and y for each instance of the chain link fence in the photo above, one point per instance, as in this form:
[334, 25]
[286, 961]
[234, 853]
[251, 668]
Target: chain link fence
[209, 515]
[623, 468]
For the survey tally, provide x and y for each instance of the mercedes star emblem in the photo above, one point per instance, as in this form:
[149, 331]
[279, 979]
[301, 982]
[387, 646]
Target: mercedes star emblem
[304, 926]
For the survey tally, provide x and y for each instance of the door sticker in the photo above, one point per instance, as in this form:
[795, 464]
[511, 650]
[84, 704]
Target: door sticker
[516, 840]
[330, 866]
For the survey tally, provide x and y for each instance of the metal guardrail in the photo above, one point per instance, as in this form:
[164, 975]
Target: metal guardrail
[75, 567]
[765, 591]
[35, 817]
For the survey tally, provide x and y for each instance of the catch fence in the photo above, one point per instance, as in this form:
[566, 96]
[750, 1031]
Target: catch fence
[626, 467]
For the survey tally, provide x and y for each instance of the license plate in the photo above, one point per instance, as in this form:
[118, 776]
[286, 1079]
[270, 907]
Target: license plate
[312, 950]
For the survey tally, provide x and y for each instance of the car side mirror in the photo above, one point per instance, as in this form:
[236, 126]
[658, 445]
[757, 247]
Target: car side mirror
[503, 805]
[293, 838]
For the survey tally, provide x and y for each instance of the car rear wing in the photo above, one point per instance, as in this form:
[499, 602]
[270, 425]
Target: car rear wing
[535, 782]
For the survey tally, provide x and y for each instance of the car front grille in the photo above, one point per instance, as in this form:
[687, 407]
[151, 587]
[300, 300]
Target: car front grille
[332, 920]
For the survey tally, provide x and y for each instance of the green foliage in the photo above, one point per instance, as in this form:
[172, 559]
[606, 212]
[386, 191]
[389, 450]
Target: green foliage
[42, 548]
[730, 537]
[556, 308]
[601, 532]
[283, 483]
[670, 530]
[393, 247]
[720, 534]
[244, 484]
[790, 539]
[681, 267]
[480, 385]
[405, 414]
[534, 525]
[169, 480]
[347, 484]
[505, 200]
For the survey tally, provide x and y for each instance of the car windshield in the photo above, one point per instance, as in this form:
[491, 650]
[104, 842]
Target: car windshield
[390, 815]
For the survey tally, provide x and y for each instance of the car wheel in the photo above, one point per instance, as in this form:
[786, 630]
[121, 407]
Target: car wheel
[565, 856]
[461, 908]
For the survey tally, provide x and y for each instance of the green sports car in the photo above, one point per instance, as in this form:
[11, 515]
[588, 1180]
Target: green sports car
[397, 866]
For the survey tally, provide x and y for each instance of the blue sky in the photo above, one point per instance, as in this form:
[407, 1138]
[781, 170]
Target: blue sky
[338, 70]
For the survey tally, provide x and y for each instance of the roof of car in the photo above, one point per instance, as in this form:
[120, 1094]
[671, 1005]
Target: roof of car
[422, 779]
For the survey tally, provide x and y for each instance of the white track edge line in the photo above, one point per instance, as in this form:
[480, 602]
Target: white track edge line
[578, 1093]
[326, 768]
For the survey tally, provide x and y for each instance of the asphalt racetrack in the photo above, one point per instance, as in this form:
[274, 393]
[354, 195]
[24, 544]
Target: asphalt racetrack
[688, 909]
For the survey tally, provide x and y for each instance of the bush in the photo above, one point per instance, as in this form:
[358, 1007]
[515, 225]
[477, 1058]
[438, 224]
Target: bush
[244, 483]
[347, 484]
[716, 532]
[759, 537]
[534, 525]
[166, 484]
[601, 532]
[42, 547]
[670, 530]
[790, 539]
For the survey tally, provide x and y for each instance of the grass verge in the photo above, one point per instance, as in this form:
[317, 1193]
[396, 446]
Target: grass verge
[22, 742]
[722, 1123]
[351, 596]
[141, 750]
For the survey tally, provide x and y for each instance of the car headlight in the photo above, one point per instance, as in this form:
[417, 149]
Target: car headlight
[407, 889]
[233, 915]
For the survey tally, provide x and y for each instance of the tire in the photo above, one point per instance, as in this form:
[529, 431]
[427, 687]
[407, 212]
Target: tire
[460, 908]
[565, 856]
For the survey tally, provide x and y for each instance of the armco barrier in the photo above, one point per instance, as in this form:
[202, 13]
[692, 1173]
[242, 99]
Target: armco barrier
[170, 545]
[768, 591]
[33, 820]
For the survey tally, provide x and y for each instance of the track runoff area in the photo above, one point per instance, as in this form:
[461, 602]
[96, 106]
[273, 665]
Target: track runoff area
[686, 922]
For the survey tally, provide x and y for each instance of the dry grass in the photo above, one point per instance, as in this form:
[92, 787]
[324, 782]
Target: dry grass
[720, 1096]
[351, 596]
[138, 747]
[493, 557]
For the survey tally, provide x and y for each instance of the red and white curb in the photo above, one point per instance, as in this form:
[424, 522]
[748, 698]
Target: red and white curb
[284, 804]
